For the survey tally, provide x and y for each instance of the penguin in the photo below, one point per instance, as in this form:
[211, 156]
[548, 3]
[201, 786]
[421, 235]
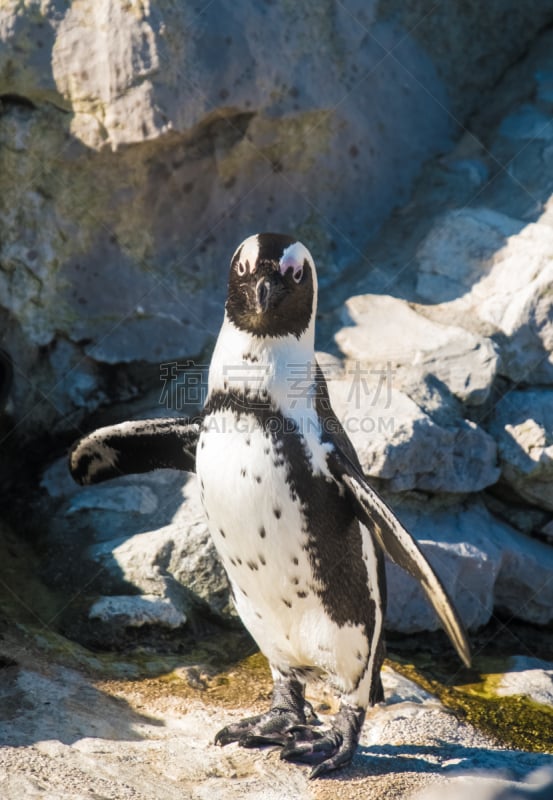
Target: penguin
[300, 531]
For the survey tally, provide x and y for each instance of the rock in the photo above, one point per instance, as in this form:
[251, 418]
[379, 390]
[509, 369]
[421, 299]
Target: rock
[136, 611]
[398, 442]
[484, 564]
[206, 143]
[522, 424]
[138, 499]
[142, 531]
[455, 540]
[527, 122]
[547, 531]
[530, 677]
[493, 274]
[488, 786]
[389, 332]
[458, 251]
[526, 519]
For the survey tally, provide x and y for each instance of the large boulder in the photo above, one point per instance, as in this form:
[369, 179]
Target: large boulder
[494, 274]
[484, 563]
[423, 443]
[141, 142]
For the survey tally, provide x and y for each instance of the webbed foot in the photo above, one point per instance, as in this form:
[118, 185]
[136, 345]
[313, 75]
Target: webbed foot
[287, 711]
[330, 749]
[269, 728]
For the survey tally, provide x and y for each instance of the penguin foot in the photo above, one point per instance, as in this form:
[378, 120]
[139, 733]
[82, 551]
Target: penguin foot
[288, 709]
[270, 728]
[330, 749]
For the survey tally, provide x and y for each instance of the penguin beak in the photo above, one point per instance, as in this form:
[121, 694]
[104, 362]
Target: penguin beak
[262, 295]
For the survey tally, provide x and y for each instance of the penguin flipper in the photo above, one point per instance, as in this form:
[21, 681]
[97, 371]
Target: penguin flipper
[135, 446]
[398, 543]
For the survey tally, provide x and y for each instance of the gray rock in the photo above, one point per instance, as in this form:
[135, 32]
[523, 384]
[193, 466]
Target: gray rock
[494, 274]
[137, 610]
[522, 424]
[483, 562]
[490, 786]
[138, 499]
[530, 677]
[400, 443]
[527, 123]
[140, 144]
[459, 250]
[547, 531]
[389, 331]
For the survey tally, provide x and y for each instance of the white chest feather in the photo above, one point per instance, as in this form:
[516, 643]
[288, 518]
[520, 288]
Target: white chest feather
[257, 525]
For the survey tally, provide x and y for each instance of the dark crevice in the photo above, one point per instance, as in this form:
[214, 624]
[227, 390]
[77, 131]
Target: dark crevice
[12, 99]
[6, 377]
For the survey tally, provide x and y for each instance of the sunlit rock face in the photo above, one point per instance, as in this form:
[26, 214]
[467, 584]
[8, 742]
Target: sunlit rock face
[141, 141]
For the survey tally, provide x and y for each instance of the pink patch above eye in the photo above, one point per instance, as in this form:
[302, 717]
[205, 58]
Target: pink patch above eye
[289, 262]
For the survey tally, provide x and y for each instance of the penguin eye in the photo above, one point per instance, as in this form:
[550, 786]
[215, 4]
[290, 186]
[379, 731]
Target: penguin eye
[298, 274]
[241, 268]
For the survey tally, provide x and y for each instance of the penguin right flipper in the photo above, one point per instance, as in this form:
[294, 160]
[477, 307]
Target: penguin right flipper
[375, 514]
[398, 543]
[135, 446]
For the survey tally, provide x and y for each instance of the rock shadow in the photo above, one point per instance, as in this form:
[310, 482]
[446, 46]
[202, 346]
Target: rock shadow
[59, 704]
[445, 758]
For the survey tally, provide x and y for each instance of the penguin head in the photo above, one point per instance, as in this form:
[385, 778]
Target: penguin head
[272, 287]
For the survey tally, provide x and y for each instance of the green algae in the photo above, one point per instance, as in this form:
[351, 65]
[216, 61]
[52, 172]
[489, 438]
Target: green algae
[515, 721]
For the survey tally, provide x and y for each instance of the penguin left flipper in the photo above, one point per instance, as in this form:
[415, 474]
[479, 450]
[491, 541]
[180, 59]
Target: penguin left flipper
[397, 542]
[135, 446]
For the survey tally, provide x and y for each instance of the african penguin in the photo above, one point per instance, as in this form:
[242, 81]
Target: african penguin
[298, 528]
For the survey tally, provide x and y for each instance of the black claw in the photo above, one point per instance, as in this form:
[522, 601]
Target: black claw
[292, 725]
[305, 733]
[340, 760]
[223, 737]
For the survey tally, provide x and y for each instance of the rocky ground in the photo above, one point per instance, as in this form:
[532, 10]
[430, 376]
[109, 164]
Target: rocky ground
[139, 722]
[72, 732]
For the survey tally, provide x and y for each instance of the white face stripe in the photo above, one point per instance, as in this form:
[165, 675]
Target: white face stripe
[248, 251]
